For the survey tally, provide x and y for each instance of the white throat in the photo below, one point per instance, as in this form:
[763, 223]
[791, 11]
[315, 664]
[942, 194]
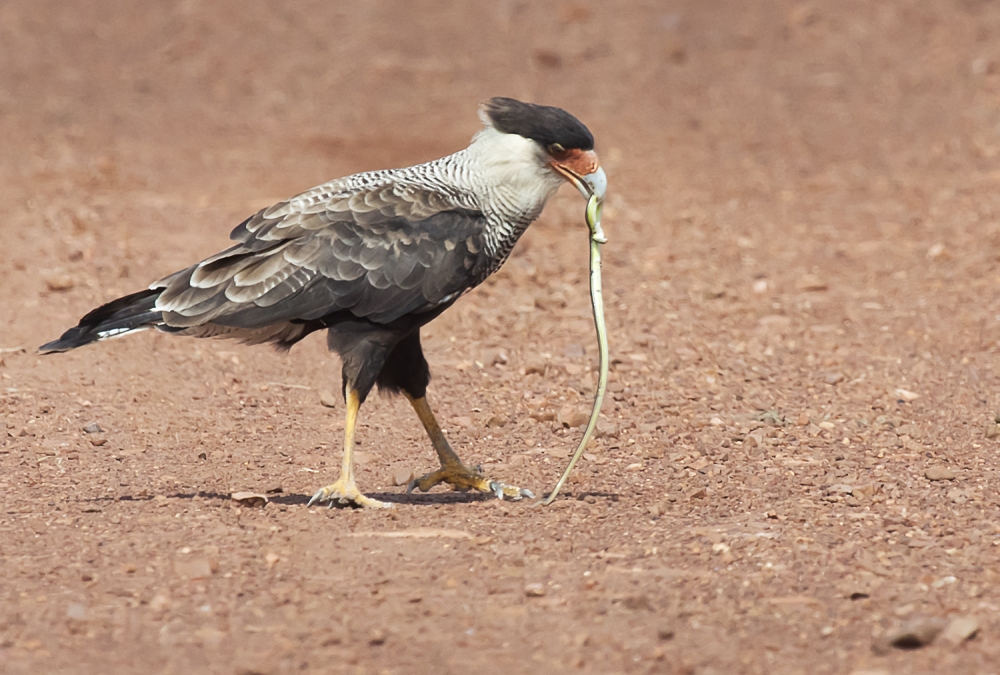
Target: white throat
[513, 172]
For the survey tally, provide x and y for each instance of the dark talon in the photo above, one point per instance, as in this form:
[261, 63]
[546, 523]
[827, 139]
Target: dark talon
[409, 486]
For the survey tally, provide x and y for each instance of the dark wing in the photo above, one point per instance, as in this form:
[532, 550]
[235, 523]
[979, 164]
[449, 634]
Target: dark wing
[378, 253]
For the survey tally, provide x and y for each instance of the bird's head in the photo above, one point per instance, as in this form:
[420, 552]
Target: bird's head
[566, 145]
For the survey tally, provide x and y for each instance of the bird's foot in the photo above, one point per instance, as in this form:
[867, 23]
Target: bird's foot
[345, 492]
[462, 478]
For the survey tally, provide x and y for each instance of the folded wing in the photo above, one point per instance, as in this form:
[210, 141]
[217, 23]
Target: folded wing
[377, 253]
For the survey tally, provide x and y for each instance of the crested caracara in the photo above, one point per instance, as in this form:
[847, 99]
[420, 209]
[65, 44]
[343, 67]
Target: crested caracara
[371, 258]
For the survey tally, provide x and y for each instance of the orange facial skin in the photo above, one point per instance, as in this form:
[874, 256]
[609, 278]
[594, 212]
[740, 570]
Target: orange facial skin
[575, 162]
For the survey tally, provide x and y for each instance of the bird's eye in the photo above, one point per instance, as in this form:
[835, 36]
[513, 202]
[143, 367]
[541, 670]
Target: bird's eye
[556, 148]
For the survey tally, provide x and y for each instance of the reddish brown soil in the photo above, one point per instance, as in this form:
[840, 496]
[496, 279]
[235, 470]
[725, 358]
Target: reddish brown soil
[803, 220]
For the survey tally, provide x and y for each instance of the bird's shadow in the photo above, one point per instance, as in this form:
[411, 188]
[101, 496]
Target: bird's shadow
[411, 499]
[401, 498]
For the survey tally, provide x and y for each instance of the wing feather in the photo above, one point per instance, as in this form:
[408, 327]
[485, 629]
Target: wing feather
[290, 286]
[214, 273]
[265, 267]
[345, 270]
[378, 253]
[374, 257]
[403, 269]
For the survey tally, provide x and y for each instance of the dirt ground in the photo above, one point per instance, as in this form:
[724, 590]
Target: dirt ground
[798, 463]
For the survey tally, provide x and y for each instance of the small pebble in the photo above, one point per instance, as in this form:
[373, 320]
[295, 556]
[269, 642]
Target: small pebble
[572, 417]
[939, 473]
[534, 590]
[496, 421]
[960, 629]
[911, 635]
[327, 399]
[402, 476]
[93, 428]
[606, 429]
[249, 498]
[811, 282]
[958, 496]
[60, 282]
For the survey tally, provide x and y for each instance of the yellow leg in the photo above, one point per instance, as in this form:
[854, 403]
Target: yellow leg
[345, 490]
[452, 471]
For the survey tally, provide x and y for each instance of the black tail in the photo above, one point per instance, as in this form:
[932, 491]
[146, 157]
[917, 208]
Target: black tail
[118, 317]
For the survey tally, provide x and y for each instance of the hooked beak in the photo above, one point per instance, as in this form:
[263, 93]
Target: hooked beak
[597, 182]
[583, 170]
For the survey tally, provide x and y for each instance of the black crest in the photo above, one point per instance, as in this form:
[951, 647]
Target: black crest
[541, 123]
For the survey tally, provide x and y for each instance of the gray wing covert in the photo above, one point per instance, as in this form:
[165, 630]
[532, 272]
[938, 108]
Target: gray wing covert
[380, 253]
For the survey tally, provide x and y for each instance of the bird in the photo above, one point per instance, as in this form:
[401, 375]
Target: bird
[371, 258]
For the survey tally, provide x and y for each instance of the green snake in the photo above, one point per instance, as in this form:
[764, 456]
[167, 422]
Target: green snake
[594, 207]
